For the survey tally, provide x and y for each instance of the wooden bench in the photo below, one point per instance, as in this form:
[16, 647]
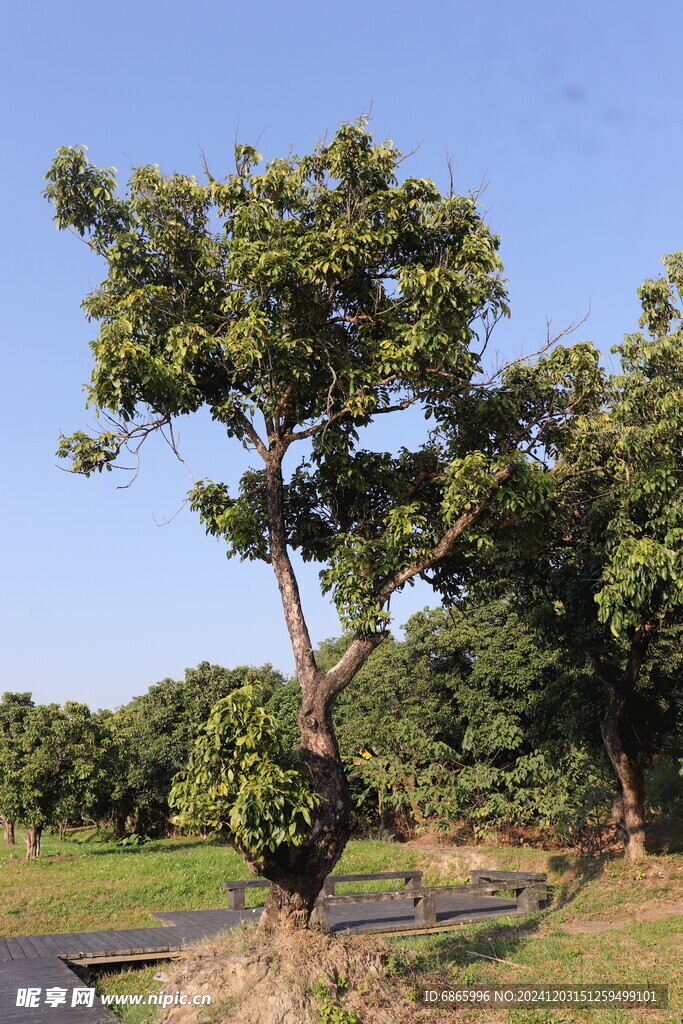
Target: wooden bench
[530, 891]
[412, 879]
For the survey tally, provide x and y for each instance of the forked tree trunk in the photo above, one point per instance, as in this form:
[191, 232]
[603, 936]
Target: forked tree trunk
[9, 833]
[62, 827]
[32, 840]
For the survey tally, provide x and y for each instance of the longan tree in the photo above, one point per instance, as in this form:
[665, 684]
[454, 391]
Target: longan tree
[300, 305]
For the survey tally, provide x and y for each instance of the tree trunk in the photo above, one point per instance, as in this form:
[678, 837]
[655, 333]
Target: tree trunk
[32, 840]
[621, 744]
[628, 809]
[118, 821]
[297, 873]
[9, 833]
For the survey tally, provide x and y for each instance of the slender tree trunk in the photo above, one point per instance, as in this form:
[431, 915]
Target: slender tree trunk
[118, 821]
[32, 840]
[628, 809]
[61, 829]
[9, 833]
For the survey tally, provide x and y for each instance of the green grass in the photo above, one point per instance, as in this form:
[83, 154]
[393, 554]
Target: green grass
[95, 885]
[605, 898]
[133, 980]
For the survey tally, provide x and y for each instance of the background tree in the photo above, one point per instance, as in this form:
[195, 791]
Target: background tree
[13, 710]
[493, 727]
[153, 736]
[54, 764]
[609, 575]
[299, 305]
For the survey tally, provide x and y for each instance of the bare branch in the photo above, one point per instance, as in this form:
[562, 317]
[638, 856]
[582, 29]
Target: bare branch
[334, 681]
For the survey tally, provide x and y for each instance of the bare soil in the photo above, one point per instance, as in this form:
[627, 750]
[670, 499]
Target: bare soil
[298, 978]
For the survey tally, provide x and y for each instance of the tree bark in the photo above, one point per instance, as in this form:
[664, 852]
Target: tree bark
[118, 821]
[297, 874]
[619, 739]
[628, 809]
[32, 840]
[9, 833]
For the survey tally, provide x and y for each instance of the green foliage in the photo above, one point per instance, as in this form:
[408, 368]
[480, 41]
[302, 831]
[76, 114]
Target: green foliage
[14, 709]
[643, 572]
[242, 782]
[153, 736]
[300, 303]
[331, 1012]
[410, 773]
[133, 840]
[477, 719]
[52, 760]
[284, 705]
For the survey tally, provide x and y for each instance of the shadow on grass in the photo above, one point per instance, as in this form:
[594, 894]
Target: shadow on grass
[664, 835]
[157, 846]
[574, 876]
[505, 936]
[447, 955]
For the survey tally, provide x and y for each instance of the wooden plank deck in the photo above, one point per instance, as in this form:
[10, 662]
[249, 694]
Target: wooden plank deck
[178, 928]
[38, 961]
[44, 973]
[398, 915]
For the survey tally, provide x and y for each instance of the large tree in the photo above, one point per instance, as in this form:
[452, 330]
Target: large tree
[607, 574]
[300, 305]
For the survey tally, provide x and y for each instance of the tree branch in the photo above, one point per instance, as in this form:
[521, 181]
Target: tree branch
[334, 681]
[447, 542]
[304, 658]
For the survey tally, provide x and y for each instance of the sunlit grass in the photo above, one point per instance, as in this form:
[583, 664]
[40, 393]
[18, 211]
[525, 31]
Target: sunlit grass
[95, 885]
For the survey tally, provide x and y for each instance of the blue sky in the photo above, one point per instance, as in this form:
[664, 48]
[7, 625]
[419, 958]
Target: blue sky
[568, 112]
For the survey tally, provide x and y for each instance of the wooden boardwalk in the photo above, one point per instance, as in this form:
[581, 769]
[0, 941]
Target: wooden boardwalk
[38, 961]
[38, 974]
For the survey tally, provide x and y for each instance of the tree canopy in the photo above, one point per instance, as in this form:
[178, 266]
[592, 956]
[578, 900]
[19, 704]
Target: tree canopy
[605, 570]
[299, 305]
[51, 763]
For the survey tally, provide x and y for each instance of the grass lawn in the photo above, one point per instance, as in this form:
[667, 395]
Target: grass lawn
[93, 886]
[610, 922]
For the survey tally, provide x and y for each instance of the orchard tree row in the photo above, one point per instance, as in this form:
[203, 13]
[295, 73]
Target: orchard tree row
[475, 722]
[66, 766]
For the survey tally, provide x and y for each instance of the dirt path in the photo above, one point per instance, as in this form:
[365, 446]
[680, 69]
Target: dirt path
[646, 912]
